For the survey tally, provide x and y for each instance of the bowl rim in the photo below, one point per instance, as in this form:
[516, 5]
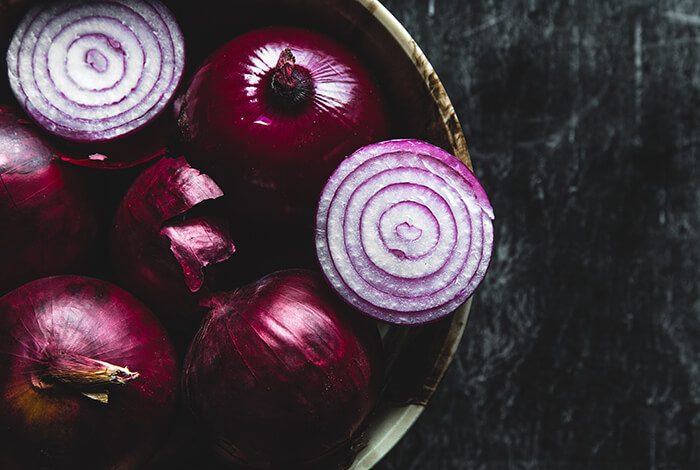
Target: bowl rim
[394, 421]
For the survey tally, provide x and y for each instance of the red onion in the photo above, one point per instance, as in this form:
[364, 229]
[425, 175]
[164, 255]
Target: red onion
[11, 12]
[140, 146]
[404, 231]
[87, 376]
[95, 70]
[48, 224]
[272, 113]
[282, 372]
[159, 249]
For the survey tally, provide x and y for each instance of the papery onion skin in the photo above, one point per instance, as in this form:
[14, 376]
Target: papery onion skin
[404, 231]
[282, 372]
[271, 152]
[160, 254]
[46, 424]
[48, 222]
[93, 71]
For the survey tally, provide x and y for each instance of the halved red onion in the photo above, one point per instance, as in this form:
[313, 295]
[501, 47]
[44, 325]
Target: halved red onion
[92, 71]
[404, 231]
[143, 145]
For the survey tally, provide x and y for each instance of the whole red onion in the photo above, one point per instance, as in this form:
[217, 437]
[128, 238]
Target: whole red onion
[159, 248]
[272, 113]
[87, 376]
[404, 231]
[282, 372]
[48, 222]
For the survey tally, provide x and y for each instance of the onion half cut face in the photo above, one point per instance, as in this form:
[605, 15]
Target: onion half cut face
[92, 71]
[404, 231]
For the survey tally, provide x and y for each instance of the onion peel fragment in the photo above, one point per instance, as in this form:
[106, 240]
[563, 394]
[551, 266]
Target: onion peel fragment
[160, 247]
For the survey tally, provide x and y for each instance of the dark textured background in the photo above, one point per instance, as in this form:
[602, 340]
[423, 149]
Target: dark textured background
[582, 350]
[583, 346]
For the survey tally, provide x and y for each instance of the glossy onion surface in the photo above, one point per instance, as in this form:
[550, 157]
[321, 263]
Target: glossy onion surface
[283, 372]
[92, 71]
[270, 147]
[404, 231]
[56, 411]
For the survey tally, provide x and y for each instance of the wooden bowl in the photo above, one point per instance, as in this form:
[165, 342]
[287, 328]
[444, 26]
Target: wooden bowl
[417, 356]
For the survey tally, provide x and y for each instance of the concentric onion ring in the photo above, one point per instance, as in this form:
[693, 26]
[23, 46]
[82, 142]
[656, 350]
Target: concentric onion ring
[404, 231]
[93, 71]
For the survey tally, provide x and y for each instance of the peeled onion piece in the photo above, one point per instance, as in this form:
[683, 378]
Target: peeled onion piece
[88, 377]
[92, 71]
[47, 219]
[161, 244]
[282, 373]
[404, 231]
[272, 112]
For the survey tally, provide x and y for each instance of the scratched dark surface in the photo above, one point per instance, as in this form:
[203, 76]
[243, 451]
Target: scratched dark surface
[583, 346]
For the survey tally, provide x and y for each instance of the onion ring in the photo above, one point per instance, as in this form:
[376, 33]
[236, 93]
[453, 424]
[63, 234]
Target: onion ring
[404, 231]
[92, 71]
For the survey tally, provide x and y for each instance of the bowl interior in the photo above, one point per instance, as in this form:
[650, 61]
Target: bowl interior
[417, 357]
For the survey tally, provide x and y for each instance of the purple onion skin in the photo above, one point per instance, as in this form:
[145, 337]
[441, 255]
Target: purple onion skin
[48, 223]
[282, 373]
[270, 153]
[160, 254]
[57, 426]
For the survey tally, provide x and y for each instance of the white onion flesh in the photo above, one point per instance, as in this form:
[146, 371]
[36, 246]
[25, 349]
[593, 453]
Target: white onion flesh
[404, 231]
[93, 71]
